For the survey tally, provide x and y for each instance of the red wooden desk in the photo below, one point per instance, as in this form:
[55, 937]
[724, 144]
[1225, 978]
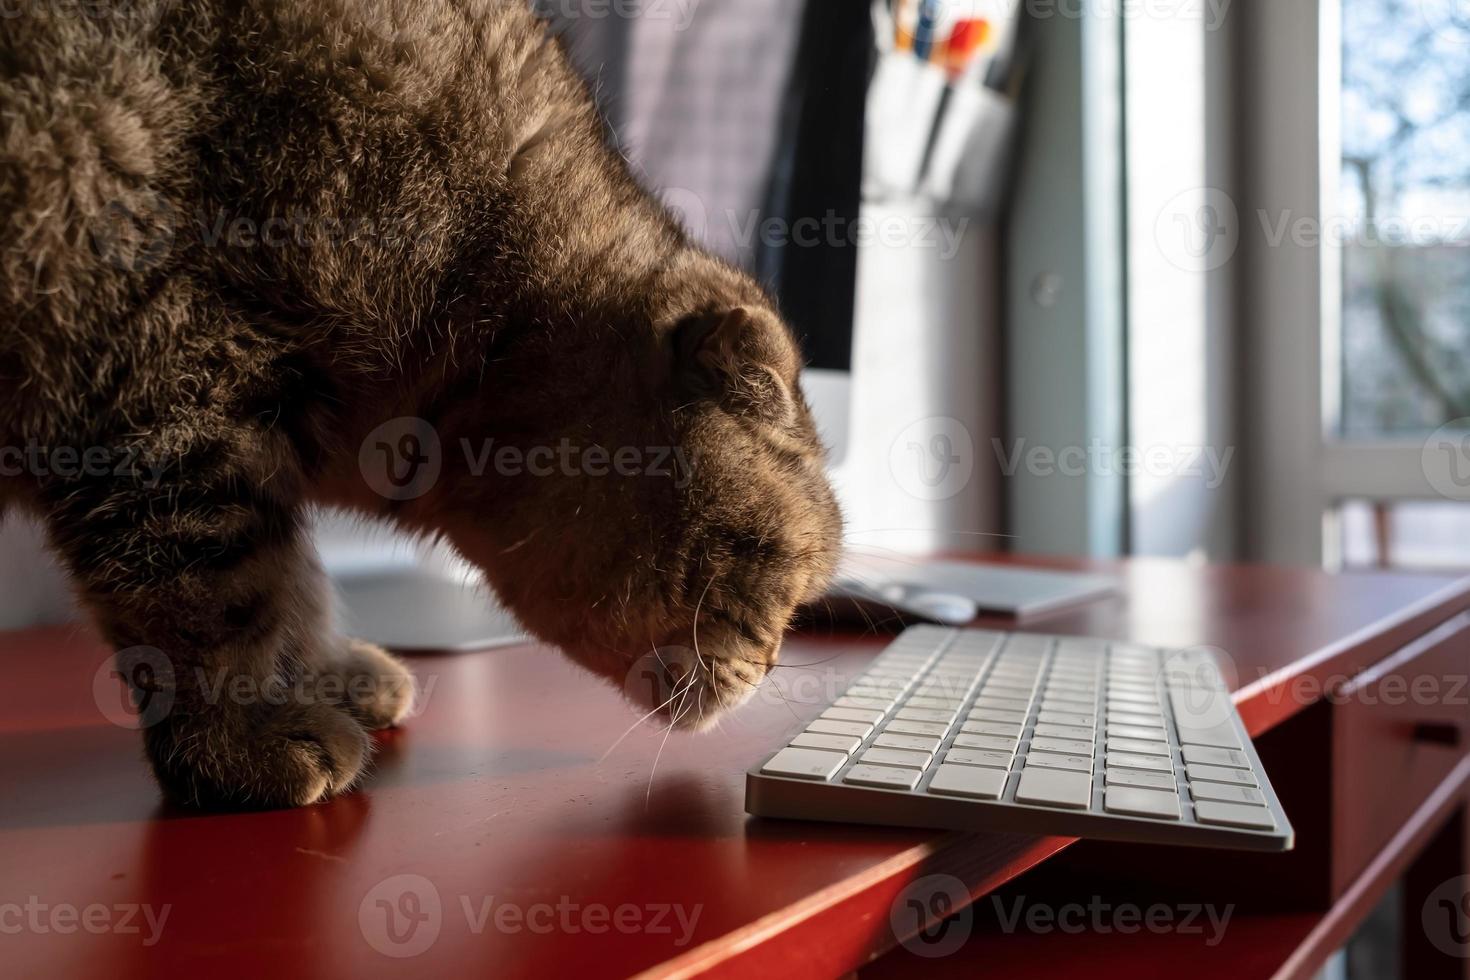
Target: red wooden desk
[496, 796]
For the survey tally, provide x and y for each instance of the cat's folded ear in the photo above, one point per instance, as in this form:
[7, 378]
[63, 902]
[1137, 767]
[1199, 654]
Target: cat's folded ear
[742, 359]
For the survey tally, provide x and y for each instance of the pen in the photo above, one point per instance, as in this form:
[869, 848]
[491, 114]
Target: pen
[903, 39]
[924, 33]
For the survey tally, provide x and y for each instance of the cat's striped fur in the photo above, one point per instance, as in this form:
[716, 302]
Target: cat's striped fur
[240, 236]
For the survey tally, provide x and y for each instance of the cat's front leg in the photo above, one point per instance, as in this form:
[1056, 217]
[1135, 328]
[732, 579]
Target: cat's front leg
[378, 688]
[212, 582]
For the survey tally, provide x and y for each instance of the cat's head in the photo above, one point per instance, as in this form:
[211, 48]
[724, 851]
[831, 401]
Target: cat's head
[655, 502]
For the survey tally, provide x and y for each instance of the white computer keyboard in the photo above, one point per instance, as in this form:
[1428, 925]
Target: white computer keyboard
[1018, 732]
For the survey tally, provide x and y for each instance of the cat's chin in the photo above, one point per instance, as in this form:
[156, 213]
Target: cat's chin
[676, 687]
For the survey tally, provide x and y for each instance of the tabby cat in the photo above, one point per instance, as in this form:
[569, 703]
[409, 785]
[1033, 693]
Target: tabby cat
[254, 250]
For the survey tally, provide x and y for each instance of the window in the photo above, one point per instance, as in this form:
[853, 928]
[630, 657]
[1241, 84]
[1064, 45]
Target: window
[1404, 202]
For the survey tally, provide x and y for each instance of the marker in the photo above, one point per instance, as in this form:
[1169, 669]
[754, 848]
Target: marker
[924, 35]
[965, 42]
[903, 39]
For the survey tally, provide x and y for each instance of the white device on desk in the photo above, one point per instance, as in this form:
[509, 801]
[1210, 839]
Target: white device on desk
[955, 593]
[1024, 733]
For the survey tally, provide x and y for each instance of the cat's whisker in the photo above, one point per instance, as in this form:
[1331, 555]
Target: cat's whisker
[652, 772]
[633, 726]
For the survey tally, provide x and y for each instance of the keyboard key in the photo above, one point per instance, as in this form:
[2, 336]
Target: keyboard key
[949, 704]
[1134, 718]
[899, 758]
[836, 743]
[1141, 802]
[1073, 699]
[1136, 697]
[804, 763]
[1062, 746]
[990, 714]
[1002, 704]
[1216, 757]
[1046, 760]
[1055, 787]
[827, 726]
[852, 714]
[1234, 815]
[1051, 705]
[925, 714]
[1065, 718]
[914, 743]
[1219, 774]
[979, 784]
[994, 742]
[1142, 778]
[979, 757]
[885, 777]
[1131, 760]
[1063, 731]
[887, 695]
[903, 726]
[1136, 732]
[1226, 794]
[1138, 746]
[1205, 722]
[875, 704]
[1005, 729]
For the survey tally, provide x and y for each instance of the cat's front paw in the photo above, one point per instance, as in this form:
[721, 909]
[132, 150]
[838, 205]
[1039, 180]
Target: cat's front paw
[267, 756]
[379, 687]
